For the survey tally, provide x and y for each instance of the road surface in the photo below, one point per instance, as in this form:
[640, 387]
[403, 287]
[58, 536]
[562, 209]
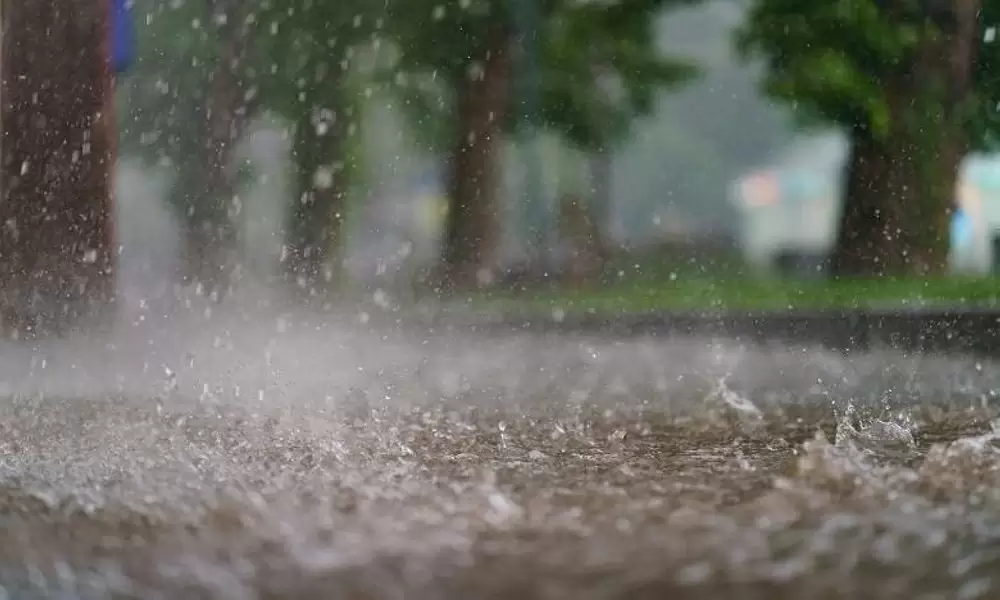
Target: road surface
[266, 456]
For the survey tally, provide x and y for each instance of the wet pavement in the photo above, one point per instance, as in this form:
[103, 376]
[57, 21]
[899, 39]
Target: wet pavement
[265, 456]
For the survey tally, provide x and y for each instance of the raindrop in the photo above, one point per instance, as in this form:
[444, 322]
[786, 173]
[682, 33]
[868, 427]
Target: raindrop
[323, 178]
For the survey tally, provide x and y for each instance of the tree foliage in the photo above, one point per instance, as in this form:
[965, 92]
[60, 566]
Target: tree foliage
[984, 112]
[834, 61]
[601, 69]
[300, 44]
[162, 95]
[598, 64]
[830, 59]
[291, 48]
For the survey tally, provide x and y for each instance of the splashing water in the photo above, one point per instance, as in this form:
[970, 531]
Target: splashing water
[317, 457]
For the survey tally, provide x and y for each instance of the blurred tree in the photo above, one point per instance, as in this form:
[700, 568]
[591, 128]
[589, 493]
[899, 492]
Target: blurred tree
[599, 70]
[468, 47]
[56, 242]
[184, 106]
[592, 94]
[207, 68]
[314, 49]
[901, 78]
[227, 110]
[159, 99]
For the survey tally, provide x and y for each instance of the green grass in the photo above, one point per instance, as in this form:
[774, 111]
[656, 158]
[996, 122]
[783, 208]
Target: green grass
[752, 294]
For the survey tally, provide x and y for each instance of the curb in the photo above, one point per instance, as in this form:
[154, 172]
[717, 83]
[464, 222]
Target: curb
[923, 331]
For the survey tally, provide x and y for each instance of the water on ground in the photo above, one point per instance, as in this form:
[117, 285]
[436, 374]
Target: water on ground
[266, 456]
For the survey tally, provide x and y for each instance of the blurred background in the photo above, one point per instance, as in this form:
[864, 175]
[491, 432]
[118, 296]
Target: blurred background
[673, 178]
[320, 143]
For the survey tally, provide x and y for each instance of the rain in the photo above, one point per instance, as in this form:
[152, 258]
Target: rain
[293, 300]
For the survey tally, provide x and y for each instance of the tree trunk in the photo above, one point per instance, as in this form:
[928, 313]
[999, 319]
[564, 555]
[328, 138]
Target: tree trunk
[56, 247]
[316, 221]
[871, 222]
[900, 190]
[580, 235]
[899, 194]
[601, 173]
[212, 245]
[472, 229]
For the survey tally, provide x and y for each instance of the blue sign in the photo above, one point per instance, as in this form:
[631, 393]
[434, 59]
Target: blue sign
[122, 36]
[961, 229]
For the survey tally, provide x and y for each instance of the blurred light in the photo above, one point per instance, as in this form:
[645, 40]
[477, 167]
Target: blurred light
[761, 189]
[969, 199]
[961, 229]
